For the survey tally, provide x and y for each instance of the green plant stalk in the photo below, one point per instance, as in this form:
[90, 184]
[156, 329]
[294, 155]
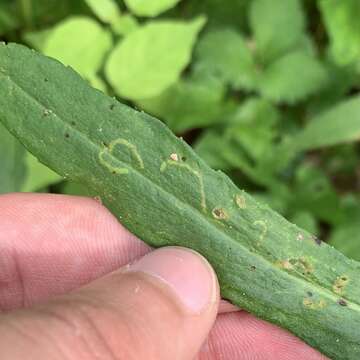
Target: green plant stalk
[165, 194]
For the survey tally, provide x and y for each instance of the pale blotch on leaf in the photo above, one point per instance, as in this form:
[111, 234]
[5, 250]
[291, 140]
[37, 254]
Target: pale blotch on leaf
[107, 151]
[262, 225]
[220, 214]
[302, 265]
[340, 284]
[174, 157]
[300, 237]
[284, 264]
[240, 201]
[177, 163]
[314, 305]
[47, 112]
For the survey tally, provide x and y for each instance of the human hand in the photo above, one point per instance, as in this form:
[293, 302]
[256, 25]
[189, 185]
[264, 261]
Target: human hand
[63, 297]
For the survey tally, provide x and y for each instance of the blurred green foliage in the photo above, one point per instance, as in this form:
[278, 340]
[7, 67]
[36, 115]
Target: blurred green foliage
[265, 90]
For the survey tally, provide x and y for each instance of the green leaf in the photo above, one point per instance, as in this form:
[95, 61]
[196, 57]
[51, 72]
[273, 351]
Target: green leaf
[12, 169]
[313, 192]
[226, 154]
[9, 19]
[247, 143]
[124, 25]
[39, 176]
[340, 124]
[276, 202]
[147, 62]
[46, 12]
[166, 195]
[346, 238]
[97, 82]
[340, 83]
[210, 147]
[277, 25]
[220, 152]
[219, 13]
[37, 39]
[73, 188]
[190, 103]
[79, 42]
[225, 54]
[350, 209]
[256, 112]
[106, 10]
[253, 127]
[307, 221]
[149, 8]
[292, 78]
[342, 23]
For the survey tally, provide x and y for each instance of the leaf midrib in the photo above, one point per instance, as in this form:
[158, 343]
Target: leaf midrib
[325, 291]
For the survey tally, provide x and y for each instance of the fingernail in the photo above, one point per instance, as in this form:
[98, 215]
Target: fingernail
[187, 273]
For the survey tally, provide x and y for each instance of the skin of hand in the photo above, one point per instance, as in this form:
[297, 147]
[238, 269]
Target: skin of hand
[74, 284]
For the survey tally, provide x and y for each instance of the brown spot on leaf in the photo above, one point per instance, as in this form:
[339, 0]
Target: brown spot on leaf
[219, 213]
[98, 199]
[316, 240]
[342, 302]
[340, 284]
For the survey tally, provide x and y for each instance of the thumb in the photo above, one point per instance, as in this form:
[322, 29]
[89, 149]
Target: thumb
[161, 307]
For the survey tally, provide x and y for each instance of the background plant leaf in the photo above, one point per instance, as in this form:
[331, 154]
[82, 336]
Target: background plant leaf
[268, 19]
[124, 24]
[339, 124]
[39, 176]
[107, 11]
[145, 63]
[219, 13]
[150, 8]
[9, 19]
[225, 54]
[190, 103]
[292, 78]
[79, 42]
[342, 23]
